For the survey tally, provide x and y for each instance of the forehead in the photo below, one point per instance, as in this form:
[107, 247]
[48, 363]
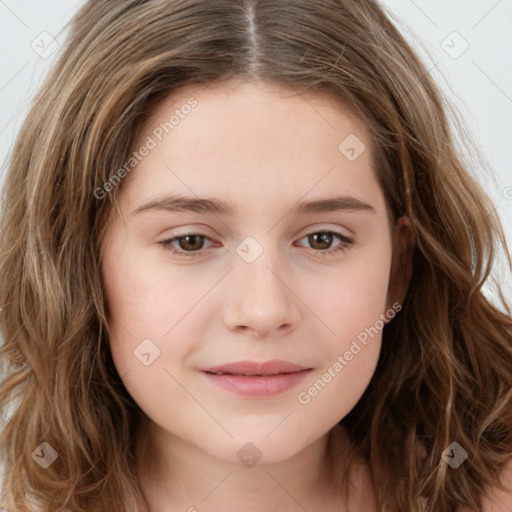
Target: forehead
[247, 142]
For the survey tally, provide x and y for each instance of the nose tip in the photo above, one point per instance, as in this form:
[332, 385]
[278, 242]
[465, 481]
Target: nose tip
[260, 329]
[260, 300]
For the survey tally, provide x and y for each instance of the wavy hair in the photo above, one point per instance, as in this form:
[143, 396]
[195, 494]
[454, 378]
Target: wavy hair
[445, 370]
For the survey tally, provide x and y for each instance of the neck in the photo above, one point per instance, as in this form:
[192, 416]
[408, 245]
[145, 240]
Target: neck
[178, 476]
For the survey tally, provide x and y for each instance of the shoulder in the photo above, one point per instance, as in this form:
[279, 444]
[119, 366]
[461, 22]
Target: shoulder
[497, 500]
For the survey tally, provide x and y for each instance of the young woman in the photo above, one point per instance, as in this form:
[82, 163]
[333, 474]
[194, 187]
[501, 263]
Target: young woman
[242, 268]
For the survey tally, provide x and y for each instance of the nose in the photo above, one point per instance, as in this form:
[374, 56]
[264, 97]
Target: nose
[262, 300]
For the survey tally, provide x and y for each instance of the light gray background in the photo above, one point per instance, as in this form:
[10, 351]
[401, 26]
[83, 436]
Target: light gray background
[478, 81]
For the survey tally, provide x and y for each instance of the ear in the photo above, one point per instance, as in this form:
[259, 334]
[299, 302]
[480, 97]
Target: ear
[401, 264]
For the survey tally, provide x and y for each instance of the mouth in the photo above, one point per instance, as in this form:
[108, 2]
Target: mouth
[254, 368]
[257, 380]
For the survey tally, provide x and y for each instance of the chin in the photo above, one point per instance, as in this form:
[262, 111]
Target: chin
[258, 449]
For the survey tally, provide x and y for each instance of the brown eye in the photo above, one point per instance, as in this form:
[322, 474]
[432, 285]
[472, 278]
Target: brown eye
[190, 244]
[322, 240]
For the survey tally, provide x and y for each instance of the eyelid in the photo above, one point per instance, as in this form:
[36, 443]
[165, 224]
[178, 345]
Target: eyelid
[346, 241]
[308, 230]
[313, 228]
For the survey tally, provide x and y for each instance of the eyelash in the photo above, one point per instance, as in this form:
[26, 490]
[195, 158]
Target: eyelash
[347, 243]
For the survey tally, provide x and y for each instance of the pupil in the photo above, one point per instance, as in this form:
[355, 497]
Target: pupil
[325, 239]
[191, 246]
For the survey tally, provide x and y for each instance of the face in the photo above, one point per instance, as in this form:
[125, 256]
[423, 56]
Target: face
[269, 270]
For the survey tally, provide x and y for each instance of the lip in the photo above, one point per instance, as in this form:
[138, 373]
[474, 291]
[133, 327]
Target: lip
[273, 367]
[257, 380]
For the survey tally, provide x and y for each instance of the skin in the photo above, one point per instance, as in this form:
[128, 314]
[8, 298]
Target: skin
[262, 148]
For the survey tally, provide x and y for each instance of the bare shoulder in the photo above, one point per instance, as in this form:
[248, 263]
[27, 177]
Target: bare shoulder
[497, 500]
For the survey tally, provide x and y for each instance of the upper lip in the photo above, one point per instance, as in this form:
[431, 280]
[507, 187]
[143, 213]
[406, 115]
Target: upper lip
[274, 367]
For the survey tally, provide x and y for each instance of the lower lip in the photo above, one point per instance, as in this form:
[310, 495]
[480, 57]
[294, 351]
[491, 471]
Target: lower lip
[258, 387]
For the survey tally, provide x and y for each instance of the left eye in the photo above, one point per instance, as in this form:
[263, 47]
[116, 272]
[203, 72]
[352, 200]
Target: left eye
[191, 244]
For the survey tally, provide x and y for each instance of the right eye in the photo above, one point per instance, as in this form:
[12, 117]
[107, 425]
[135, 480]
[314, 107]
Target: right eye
[191, 244]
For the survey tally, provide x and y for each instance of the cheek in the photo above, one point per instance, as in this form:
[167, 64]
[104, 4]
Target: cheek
[142, 309]
[145, 291]
[353, 298]
[353, 307]
[149, 307]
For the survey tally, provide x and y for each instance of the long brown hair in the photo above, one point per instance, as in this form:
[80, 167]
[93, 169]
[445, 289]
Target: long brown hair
[445, 371]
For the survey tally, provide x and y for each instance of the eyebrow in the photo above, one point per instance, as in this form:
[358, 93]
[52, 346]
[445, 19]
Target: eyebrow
[178, 203]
